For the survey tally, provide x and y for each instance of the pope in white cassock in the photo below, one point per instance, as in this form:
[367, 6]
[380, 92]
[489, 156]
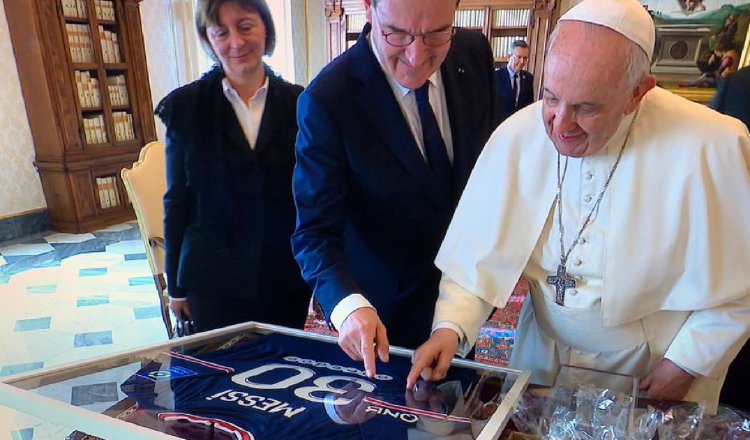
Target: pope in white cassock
[626, 207]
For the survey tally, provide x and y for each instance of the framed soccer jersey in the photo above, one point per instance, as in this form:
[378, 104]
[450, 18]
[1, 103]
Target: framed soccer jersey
[254, 381]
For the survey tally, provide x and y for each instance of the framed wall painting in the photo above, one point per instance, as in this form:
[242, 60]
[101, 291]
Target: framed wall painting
[695, 39]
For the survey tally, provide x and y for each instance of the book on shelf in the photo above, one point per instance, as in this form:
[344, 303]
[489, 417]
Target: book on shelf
[123, 126]
[88, 95]
[355, 22]
[102, 193]
[79, 88]
[114, 194]
[117, 89]
[95, 92]
[119, 131]
[511, 17]
[88, 89]
[116, 48]
[75, 54]
[469, 18]
[94, 130]
[79, 41]
[74, 8]
[110, 46]
[106, 188]
[105, 10]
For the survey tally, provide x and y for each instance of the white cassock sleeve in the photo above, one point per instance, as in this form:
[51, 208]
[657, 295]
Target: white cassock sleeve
[458, 306]
[710, 339]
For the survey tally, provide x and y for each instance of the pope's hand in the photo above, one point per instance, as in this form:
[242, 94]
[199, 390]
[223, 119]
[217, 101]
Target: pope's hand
[361, 334]
[667, 381]
[180, 309]
[426, 396]
[355, 411]
[432, 359]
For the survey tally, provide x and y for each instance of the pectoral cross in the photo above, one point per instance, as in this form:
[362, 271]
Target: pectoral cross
[561, 281]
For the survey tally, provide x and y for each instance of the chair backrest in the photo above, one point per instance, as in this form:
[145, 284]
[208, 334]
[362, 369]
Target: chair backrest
[146, 183]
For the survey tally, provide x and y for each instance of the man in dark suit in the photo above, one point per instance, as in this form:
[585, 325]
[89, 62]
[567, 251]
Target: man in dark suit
[389, 133]
[514, 84]
[733, 96]
[733, 99]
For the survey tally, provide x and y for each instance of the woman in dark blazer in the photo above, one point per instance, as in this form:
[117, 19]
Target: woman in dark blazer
[229, 212]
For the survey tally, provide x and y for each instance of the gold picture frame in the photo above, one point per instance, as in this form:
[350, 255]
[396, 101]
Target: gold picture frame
[687, 32]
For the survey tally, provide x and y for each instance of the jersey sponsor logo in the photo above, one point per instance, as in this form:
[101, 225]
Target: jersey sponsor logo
[402, 412]
[171, 373]
[334, 367]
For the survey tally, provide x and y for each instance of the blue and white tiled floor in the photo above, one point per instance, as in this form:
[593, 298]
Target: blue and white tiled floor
[67, 297]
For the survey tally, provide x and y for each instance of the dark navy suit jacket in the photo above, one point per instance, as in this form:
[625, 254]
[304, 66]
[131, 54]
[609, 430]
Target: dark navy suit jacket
[229, 210]
[504, 88]
[733, 99]
[733, 96]
[370, 219]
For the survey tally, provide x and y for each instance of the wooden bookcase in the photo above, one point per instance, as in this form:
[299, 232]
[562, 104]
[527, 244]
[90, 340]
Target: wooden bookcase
[82, 66]
[501, 22]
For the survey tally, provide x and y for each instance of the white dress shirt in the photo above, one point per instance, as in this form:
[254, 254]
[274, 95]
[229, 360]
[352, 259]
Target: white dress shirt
[248, 114]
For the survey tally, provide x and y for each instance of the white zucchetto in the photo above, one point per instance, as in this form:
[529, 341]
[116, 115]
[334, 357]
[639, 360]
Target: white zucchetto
[626, 17]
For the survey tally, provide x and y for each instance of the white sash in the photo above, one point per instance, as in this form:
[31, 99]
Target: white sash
[581, 329]
[556, 335]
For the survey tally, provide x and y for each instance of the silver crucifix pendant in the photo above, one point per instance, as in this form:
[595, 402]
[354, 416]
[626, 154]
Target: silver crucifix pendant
[561, 281]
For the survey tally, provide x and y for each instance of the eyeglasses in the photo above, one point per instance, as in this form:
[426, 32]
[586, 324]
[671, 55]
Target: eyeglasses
[403, 39]
[432, 39]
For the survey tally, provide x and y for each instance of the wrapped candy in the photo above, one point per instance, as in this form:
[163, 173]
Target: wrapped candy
[681, 422]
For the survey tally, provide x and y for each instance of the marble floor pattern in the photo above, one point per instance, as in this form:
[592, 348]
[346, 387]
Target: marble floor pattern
[68, 297]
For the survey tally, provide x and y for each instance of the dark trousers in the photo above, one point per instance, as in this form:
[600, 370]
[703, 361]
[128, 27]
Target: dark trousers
[736, 390]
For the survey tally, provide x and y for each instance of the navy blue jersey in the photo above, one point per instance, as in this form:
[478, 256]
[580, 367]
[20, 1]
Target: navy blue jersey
[282, 387]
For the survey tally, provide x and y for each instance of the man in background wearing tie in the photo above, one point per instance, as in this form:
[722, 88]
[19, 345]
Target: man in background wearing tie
[514, 84]
[388, 134]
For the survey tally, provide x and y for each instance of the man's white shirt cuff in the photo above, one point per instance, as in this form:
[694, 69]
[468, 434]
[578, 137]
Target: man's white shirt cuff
[346, 307]
[171, 298]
